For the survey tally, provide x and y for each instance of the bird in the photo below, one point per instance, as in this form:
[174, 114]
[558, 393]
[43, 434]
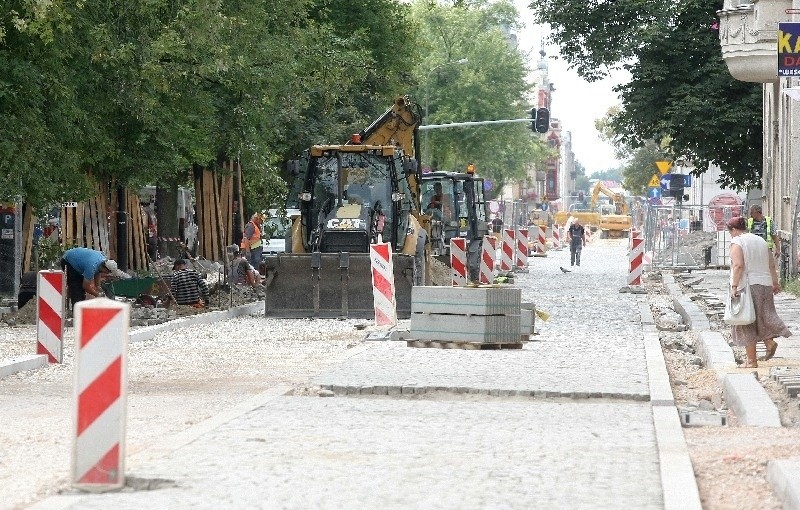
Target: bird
[564, 270]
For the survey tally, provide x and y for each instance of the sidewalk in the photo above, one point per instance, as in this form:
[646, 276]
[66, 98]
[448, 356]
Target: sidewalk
[581, 418]
[744, 393]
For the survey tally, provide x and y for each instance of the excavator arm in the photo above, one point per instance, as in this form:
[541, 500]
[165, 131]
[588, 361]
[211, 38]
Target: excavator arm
[618, 198]
[397, 126]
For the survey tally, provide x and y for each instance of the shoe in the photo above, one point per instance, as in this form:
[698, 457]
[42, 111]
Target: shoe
[749, 364]
[770, 351]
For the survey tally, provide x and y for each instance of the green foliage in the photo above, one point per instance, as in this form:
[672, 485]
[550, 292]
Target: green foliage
[491, 85]
[792, 287]
[680, 86]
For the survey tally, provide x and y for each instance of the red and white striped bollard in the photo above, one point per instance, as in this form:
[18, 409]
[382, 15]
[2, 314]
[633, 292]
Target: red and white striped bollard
[101, 343]
[522, 248]
[458, 261]
[507, 251]
[50, 290]
[488, 260]
[635, 261]
[383, 290]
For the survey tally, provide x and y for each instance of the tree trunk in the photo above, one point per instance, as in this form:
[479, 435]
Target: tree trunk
[167, 217]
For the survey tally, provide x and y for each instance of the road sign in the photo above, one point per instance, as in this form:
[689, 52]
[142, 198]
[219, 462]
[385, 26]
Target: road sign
[654, 193]
[663, 166]
[654, 181]
[687, 181]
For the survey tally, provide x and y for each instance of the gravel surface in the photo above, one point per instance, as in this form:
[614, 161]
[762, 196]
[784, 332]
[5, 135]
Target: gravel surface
[181, 378]
[175, 381]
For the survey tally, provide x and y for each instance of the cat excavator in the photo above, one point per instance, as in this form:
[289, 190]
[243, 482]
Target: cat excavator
[350, 196]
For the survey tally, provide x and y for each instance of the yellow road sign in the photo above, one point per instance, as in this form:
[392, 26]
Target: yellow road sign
[655, 182]
[663, 166]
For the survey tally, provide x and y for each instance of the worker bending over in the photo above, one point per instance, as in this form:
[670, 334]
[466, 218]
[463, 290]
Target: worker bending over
[86, 269]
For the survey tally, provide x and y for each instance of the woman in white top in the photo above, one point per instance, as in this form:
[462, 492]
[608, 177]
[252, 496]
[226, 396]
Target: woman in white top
[751, 262]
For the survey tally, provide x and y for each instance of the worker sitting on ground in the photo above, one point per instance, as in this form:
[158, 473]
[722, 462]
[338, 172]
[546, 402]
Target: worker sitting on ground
[187, 286]
[242, 272]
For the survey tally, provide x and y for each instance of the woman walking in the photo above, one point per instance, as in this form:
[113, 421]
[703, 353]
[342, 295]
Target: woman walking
[752, 264]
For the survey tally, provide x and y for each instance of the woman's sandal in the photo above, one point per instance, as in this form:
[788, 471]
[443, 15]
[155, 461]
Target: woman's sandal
[770, 351]
[749, 364]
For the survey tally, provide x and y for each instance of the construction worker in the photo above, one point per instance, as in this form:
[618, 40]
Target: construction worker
[764, 227]
[187, 286]
[576, 236]
[86, 269]
[251, 241]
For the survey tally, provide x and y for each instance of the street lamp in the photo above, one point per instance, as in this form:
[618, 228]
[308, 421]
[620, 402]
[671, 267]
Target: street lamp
[461, 61]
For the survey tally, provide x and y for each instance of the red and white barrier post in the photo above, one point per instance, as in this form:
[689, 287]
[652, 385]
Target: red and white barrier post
[383, 292]
[507, 252]
[522, 248]
[50, 292]
[101, 343]
[556, 236]
[488, 260]
[635, 261]
[541, 241]
[458, 261]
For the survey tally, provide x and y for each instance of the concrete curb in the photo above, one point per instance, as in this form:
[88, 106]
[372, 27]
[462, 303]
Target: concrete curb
[784, 476]
[22, 363]
[149, 332]
[11, 366]
[743, 393]
[678, 482]
[750, 401]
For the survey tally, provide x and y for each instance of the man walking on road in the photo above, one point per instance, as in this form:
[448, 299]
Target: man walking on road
[763, 227]
[577, 240]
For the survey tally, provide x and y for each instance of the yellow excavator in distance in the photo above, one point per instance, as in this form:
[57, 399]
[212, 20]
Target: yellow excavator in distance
[616, 223]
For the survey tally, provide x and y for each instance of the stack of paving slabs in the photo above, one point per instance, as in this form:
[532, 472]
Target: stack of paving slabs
[474, 315]
[788, 378]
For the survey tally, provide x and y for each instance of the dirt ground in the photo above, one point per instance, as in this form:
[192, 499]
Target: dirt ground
[730, 461]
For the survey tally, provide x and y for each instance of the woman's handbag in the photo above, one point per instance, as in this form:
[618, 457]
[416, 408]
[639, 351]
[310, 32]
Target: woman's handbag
[739, 310]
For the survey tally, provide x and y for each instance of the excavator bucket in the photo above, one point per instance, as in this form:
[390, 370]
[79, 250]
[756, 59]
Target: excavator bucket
[330, 285]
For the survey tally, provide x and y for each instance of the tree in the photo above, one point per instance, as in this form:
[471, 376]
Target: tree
[680, 86]
[640, 168]
[492, 85]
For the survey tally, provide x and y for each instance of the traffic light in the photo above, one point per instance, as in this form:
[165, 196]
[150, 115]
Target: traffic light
[542, 123]
[532, 113]
[581, 196]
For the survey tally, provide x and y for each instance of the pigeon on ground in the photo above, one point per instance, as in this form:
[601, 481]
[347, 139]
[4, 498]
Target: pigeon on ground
[564, 270]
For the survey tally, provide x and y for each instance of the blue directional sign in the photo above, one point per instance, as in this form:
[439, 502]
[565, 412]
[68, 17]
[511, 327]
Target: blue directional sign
[654, 193]
[687, 181]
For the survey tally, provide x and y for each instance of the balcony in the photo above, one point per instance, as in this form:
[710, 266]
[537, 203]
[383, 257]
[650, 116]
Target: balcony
[748, 35]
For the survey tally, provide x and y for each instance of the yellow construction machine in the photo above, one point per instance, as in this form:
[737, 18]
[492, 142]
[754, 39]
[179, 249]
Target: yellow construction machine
[349, 196]
[615, 219]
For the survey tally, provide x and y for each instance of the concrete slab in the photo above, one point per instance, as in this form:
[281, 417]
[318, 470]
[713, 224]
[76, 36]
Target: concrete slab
[466, 300]
[11, 366]
[750, 401]
[715, 351]
[784, 476]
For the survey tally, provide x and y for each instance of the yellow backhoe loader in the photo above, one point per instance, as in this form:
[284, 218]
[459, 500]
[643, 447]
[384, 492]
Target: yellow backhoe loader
[614, 221]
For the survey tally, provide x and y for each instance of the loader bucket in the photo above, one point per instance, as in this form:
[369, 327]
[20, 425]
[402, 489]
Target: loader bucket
[330, 285]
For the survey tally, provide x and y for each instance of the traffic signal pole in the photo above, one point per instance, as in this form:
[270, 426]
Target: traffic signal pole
[476, 123]
[539, 121]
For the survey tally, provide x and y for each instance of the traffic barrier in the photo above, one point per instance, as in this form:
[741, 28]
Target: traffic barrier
[556, 237]
[50, 293]
[635, 257]
[522, 248]
[383, 291]
[488, 260]
[458, 261]
[101, 343]
[507, 252]
[541, 240]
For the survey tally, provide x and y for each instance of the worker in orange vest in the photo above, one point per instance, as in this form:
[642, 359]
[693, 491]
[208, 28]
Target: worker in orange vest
[251, 241]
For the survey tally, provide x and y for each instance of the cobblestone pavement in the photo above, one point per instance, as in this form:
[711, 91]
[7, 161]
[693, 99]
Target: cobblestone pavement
[447, 449]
